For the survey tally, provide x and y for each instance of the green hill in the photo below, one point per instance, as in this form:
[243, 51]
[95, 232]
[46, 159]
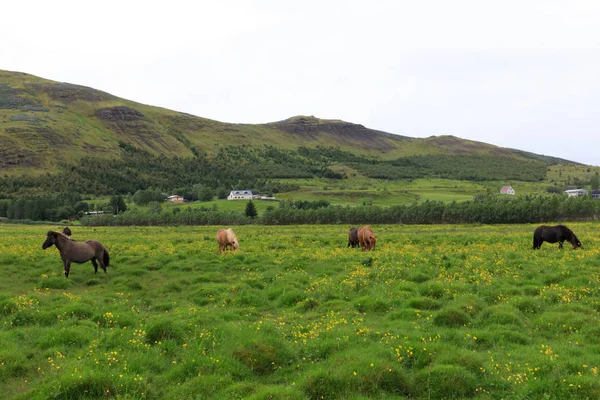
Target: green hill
[46, 126]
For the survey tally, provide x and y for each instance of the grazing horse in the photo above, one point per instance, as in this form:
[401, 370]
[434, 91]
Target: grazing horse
[553, 234]
[353, 237]
[366, 238]
[78, 252]
[226, 237]
[67, 231]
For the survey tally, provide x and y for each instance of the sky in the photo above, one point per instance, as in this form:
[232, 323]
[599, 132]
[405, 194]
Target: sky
[518, 74]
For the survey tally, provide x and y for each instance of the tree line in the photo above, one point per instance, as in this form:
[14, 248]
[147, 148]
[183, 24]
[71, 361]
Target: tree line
[485, 210]
[235, 167]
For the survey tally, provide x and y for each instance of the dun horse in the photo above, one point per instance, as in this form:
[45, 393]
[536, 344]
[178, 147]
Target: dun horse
[366, 238]
[78, 252]
[553, 234]
[226, 237]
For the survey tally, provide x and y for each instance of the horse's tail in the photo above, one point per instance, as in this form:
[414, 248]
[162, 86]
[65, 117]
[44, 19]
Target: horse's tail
[106, 258]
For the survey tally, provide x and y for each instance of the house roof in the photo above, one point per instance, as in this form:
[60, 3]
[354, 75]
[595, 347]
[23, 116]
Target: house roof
[175, 195]
[575, 191]
[241, 192]
[506, 188]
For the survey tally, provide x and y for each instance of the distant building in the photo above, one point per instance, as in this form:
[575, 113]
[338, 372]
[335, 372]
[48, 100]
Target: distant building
[240, 195]
[507, 190]
[576, 192]
[96, 212]
[247, 195]
[175, 199]
[596, 194]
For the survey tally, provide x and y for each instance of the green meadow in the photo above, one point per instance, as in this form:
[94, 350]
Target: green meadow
[358, 190]
[438, 311]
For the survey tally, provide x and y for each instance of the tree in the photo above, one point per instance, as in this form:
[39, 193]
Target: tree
[595, 181]
[222, 193]
[251, 209]
[206, 194]
[118, 204]
[155, 207]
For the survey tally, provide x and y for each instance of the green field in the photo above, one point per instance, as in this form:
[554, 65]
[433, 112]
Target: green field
[357, 190]
[440, 311]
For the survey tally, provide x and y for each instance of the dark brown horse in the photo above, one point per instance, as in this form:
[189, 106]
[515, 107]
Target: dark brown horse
[553, 234]
[353, 237]
[67, 231]
[78, 252]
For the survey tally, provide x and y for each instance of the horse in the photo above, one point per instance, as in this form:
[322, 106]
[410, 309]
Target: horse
[226, 237]
[553, 234]
[353, 237]
[67, 231]
[366, 238]
[77, 252]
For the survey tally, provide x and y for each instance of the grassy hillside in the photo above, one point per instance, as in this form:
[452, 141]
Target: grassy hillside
[47, 125]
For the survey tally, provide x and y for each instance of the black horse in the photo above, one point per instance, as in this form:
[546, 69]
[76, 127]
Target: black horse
[553, 234]
[353, 237]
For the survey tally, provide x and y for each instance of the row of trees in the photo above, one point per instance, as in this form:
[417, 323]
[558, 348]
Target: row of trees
[235, 167]
[486, 210]
[55, 207]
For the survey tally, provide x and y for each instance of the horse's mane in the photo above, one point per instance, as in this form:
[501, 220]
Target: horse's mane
[65, 236]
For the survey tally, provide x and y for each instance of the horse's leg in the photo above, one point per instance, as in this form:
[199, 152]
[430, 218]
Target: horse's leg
[95, 264]
[560, 244]
[67, 267]
[101, 262]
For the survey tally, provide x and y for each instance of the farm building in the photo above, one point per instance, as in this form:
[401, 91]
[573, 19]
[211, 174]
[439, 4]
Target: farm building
[507, 190]
[596, 194]
[241, 195]
[175, 199]
[96, 212]
[576, 192]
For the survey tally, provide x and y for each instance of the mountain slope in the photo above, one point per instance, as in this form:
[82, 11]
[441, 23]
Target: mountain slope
[45, 125]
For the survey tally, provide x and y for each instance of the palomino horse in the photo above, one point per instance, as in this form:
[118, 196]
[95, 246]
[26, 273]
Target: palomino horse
[226, 237]
[366, 238]
[553, 234]
[77, 252]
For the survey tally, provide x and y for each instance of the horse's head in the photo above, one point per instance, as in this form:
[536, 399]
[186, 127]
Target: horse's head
[373, 240]
[235, 244]
[50, 240]
[575, 242]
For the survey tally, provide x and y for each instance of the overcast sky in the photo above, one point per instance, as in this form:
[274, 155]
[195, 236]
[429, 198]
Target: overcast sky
[520, 74]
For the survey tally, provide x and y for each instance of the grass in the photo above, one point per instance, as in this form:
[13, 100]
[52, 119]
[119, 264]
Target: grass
[434, 312]
[357, 190]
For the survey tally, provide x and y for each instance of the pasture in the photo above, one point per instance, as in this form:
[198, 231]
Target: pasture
[440, 311]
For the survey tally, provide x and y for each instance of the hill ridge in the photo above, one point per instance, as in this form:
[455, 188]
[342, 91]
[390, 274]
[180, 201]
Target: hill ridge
[45, 125]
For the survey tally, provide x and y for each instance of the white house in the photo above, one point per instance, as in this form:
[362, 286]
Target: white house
[175, 199]
[576, 192]
[241, 195]
[507, 190]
